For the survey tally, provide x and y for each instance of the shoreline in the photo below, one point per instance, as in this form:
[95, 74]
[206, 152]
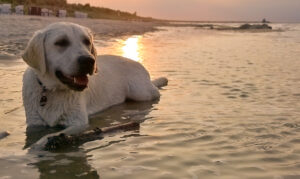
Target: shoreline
[16, 31]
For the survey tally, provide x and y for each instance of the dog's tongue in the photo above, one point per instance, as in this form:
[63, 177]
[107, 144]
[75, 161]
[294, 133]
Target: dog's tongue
[81, 80]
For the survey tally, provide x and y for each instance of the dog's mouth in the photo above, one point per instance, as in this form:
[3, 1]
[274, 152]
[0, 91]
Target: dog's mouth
[76, 82]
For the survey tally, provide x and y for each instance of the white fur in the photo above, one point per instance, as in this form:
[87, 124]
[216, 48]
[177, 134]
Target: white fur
[117, 79]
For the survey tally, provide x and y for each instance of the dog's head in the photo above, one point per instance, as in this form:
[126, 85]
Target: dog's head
[65, 53]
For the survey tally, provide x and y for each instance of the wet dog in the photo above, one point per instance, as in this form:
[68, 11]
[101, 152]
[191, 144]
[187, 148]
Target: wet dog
[66, 81]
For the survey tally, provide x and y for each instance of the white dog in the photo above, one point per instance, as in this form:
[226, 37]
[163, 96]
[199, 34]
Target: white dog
[66, 81]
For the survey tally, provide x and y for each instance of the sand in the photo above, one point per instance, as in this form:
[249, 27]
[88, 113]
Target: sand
[15, 31]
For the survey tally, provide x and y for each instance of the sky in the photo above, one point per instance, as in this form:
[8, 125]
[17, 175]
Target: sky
[218, 10]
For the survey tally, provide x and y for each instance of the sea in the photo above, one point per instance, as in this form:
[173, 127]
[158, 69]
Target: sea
[231, 110]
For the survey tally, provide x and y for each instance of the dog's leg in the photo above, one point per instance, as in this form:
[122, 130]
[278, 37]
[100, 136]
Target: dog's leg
[160, 82]
[40, 144]
[77, 122]
[146, 90]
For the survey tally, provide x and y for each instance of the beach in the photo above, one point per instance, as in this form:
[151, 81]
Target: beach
[231, 109]
[16, 30]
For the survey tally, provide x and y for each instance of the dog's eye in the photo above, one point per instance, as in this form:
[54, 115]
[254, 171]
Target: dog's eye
[62, 43]
[87, 42]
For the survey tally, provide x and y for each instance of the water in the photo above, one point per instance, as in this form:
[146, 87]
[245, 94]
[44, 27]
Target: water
[231, 110]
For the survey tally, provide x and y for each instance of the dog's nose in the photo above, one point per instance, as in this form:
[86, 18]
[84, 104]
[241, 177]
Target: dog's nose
[86, 65]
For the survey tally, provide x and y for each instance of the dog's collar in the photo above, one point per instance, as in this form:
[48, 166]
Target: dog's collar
[43, 99]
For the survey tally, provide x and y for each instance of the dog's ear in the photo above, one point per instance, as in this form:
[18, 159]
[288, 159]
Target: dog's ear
[34, 54]
[93, 49]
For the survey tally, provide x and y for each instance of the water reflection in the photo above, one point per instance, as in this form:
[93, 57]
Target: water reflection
[132, 48]
[73, 162]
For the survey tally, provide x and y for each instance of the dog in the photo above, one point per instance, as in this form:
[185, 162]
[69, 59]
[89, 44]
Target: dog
[66, 81]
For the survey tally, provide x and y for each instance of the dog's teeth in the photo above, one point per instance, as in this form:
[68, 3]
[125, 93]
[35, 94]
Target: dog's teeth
[74, 79]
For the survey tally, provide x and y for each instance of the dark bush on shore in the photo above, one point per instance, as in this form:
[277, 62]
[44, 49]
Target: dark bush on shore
[254, 26]
[101, 12]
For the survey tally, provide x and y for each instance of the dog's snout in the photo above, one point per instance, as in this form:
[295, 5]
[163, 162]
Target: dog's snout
[86, 65]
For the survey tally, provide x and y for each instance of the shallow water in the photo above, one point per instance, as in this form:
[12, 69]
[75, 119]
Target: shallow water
[231, 110]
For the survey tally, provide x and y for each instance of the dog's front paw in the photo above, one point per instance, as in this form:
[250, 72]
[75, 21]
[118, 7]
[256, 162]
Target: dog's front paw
[55, 142]
[50, 142]
[40, 144]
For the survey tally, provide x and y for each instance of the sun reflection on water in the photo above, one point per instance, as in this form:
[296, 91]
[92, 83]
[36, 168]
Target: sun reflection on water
[132, 48]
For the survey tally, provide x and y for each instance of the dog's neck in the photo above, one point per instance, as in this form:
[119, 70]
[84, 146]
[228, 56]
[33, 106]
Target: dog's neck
[43, 99]
[50, 83]
[47, 85]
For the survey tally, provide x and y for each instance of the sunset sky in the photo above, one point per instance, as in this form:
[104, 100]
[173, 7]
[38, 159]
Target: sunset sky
[274, 10]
